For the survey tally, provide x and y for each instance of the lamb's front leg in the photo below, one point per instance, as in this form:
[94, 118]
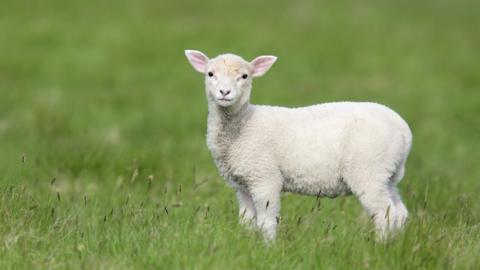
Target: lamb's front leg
[246, 208]
[266, 198]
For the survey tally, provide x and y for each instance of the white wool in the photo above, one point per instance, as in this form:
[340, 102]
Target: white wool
[330, 149]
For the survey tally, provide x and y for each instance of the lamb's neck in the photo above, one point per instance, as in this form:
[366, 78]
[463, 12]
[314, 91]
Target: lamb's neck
[225, 124]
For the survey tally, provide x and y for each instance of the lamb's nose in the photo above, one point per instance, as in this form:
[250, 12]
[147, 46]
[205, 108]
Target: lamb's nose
[225, 92]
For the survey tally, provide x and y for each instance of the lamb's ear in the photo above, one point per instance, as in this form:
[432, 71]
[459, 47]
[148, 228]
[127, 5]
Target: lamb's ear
[262, 64]
[198, 60]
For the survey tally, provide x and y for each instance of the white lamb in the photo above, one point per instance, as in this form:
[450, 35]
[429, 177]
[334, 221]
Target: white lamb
[330, 149]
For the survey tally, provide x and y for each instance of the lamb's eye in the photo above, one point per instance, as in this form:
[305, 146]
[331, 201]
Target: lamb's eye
[244, 76]
[210, 74]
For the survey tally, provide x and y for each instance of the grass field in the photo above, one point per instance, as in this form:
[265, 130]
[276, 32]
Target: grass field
[103, 161]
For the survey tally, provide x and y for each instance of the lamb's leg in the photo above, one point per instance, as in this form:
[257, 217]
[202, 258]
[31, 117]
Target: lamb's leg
[267, 204]
[247, 212]
[375, 195]
[400, 209]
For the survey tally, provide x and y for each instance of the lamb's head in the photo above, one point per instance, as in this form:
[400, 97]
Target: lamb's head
[228, 77]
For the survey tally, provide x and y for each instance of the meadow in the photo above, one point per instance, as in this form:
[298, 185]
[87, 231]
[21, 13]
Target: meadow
[103, 160]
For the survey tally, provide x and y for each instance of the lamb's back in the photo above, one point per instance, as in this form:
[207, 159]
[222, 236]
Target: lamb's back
[326, 134]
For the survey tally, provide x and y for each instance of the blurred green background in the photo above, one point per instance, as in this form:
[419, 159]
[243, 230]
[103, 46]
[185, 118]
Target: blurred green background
[103, 161]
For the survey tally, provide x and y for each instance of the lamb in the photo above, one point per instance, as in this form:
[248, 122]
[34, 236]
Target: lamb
[327, 150]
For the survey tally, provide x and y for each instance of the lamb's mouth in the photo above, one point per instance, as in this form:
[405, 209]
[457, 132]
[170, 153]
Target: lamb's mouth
[224, 102]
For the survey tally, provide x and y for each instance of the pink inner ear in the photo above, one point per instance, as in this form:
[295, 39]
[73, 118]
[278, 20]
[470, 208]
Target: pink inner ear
[198, 60]
[262, 64]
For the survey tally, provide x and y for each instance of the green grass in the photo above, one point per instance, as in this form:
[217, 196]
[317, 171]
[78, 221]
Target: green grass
[102, 131]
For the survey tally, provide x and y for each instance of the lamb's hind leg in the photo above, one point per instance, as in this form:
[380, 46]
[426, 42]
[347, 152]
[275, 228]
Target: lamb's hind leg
[374, 192]
[400, 209]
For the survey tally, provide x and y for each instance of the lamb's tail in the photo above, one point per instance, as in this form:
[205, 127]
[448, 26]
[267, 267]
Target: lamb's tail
[398, 175]
[400, 172]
